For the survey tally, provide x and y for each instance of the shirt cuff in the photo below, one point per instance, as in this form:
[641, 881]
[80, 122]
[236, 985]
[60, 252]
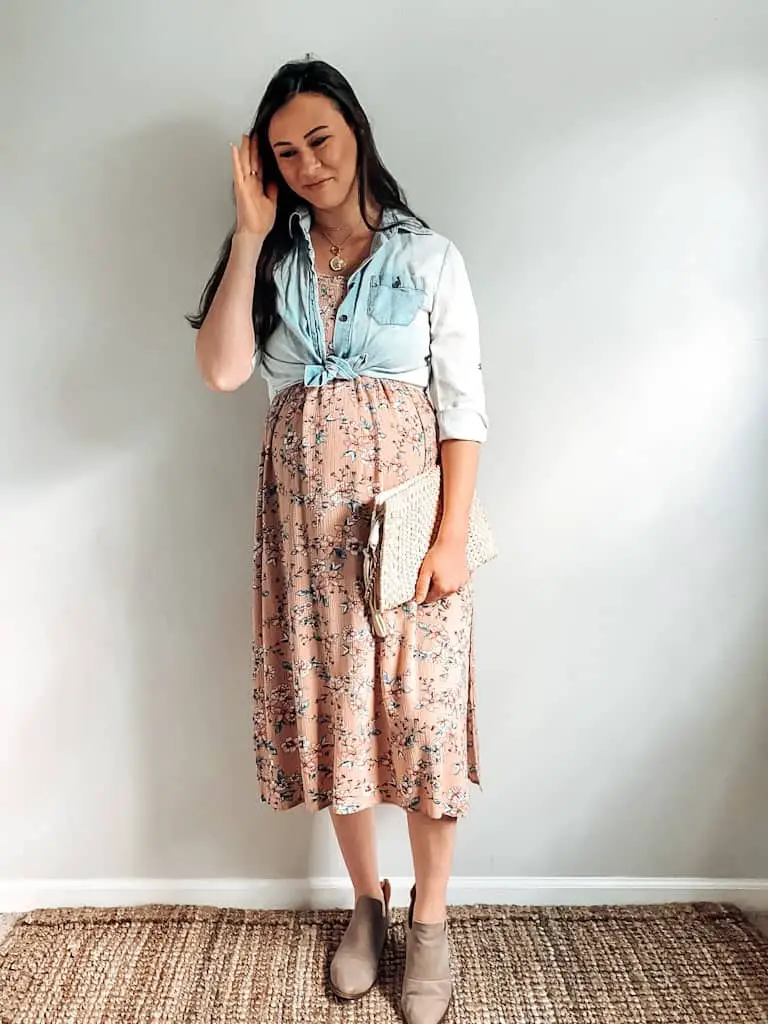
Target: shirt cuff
[462, 425]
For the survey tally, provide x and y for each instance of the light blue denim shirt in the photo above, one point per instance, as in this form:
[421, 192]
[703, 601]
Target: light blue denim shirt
[408, 315]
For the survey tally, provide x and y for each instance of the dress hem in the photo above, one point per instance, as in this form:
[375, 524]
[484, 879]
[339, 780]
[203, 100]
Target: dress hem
[315, 807]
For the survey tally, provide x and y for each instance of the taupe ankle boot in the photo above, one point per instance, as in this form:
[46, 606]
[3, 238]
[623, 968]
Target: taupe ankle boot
[427, 982]
[355, 964]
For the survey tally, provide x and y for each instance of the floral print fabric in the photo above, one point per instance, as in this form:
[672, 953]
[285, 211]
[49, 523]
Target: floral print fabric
[343, 719]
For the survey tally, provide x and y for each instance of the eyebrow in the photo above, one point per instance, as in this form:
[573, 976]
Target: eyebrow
[320, 128]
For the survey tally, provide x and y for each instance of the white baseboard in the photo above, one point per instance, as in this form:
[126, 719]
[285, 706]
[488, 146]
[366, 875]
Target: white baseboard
[22, 895]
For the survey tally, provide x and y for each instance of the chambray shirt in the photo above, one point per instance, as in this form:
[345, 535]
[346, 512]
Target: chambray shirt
[408, 315]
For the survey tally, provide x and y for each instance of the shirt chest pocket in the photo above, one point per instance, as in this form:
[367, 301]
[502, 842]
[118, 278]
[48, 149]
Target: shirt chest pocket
[394, 299]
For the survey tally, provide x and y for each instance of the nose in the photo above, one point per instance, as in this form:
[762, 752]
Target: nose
[309, 162]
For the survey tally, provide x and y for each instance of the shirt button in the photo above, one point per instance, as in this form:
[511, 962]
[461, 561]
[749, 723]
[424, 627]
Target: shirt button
[343, 318]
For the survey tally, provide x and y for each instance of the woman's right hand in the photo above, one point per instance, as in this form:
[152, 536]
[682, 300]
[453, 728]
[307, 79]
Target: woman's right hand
[256, 207]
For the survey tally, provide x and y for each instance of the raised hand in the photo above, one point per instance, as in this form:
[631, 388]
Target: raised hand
[256, 206]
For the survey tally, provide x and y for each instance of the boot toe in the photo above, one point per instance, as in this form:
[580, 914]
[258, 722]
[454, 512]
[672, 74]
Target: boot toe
[426, 1002]
[352, 976]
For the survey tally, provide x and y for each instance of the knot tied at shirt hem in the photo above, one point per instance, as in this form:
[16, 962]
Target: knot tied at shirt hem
[333, 368]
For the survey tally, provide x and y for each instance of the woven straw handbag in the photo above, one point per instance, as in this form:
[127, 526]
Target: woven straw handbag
[403, 527]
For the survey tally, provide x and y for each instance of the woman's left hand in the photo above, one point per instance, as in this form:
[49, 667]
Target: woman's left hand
[443, 571]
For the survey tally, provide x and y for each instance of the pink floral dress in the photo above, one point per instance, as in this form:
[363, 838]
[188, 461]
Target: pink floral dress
[341, 718]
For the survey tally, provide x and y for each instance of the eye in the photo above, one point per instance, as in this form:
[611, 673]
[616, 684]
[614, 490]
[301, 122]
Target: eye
[285, 154]
[319, 142]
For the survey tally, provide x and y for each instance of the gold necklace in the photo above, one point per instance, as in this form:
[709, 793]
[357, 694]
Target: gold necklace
[337, 263]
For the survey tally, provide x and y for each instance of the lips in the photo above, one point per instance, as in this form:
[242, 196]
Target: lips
[319, 184]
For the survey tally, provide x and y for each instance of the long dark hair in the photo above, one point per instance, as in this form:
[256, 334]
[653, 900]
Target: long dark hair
[374, 181]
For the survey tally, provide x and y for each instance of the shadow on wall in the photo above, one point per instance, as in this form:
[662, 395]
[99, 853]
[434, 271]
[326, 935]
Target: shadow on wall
[178, 563]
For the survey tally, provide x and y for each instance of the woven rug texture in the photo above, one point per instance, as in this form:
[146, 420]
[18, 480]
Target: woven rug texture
[699, 963]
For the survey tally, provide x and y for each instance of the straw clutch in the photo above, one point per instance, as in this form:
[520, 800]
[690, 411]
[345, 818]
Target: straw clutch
[404, 523]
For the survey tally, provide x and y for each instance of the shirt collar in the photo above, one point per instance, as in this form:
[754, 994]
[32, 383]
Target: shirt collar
[391, 221]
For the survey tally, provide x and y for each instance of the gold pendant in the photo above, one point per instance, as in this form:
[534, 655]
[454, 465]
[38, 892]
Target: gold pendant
[337, 263]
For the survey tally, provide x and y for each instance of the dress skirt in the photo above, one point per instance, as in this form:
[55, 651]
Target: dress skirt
[343, 719]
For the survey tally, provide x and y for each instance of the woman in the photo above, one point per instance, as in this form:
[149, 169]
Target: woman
[363, 324]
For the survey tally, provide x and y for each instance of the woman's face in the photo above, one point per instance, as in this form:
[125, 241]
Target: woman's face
[315, 150]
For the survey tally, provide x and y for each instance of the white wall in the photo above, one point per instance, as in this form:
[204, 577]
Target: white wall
[603, 168]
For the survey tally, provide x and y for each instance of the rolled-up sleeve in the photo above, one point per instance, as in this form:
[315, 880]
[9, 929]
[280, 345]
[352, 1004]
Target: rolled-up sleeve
[456, 384]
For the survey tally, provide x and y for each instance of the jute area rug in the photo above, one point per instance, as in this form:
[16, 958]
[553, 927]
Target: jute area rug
[669, 964]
